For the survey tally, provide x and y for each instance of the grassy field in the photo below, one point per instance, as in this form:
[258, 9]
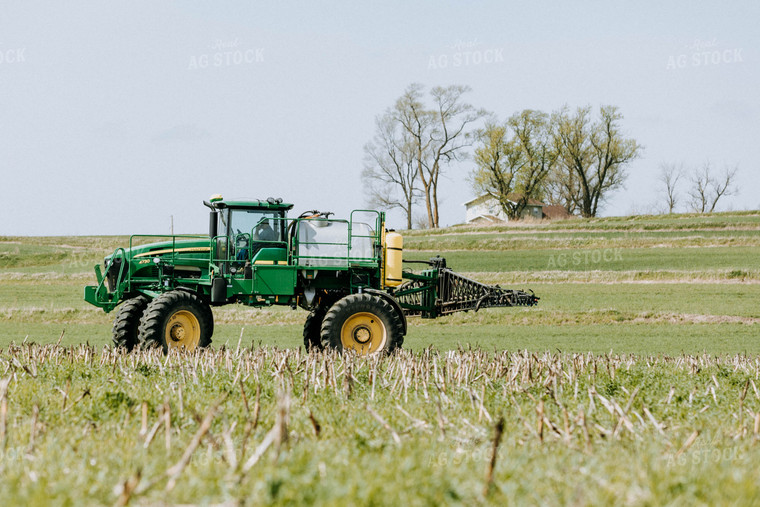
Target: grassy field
[264, 425]
[637, 372]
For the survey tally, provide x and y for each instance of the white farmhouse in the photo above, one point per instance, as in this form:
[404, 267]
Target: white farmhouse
[487, 210]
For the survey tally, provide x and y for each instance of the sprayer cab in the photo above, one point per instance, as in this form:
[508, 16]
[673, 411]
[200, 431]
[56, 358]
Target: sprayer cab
[243, 213]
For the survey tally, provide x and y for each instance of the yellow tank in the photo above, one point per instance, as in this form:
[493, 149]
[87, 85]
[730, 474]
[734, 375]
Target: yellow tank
[394, 245]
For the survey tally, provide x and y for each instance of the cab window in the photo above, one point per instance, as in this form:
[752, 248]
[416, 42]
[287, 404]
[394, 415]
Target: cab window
[256, 225]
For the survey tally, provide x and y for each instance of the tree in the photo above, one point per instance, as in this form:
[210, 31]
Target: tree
[707, 190]
[532, 132]
[670, 174]
[439, 135]
[591, 156]
[513, 160]
[390, 172]
[561, 188]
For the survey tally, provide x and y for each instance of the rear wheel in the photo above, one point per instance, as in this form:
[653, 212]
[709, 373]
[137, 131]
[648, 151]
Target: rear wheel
[127, 321]
[365, 323]
[312, 328]
[176, 320]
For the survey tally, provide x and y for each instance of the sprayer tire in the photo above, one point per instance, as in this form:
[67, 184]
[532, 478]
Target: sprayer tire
[127, 321]
[312, 339]
[176, 319]
[365, 323]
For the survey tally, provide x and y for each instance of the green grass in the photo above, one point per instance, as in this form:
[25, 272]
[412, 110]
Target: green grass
[555, 241]
[631, 338]
[409, 430]
[629, 317]
[675, 222]
[718, 246]
[607, 259]
[653, 317]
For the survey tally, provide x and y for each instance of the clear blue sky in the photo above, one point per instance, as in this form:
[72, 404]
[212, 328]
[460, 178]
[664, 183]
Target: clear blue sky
[116, 115]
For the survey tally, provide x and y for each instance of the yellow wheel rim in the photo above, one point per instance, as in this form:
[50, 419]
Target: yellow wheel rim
[183, 331]
[363, 332]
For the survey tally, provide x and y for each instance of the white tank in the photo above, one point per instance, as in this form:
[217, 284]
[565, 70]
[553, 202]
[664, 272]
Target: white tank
[325, 243]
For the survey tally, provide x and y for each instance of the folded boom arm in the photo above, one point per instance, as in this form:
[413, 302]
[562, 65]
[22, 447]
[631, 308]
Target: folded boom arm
[440, 291]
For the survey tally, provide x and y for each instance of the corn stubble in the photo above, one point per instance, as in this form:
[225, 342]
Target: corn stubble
[265, 424]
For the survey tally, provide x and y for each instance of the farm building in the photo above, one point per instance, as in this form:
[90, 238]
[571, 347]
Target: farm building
[487, 210]
[556, 212]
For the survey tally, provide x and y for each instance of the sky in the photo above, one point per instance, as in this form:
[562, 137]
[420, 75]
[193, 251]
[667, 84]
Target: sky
[117, 116]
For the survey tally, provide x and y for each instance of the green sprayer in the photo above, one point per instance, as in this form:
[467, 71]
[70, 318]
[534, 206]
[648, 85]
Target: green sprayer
[347, 273]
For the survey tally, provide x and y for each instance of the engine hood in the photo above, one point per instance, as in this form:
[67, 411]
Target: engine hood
[180, 246]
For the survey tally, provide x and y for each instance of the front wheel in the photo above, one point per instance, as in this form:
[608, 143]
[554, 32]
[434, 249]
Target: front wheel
[365, 323]
[127, 321]
[176, 320]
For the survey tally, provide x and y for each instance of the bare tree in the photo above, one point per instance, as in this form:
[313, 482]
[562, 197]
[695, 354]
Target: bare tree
[707, 189]
[390, 172]
[670, 174]
[701, 181]
[722, 187]
[591, 155]
[439, 135]
[513, 159]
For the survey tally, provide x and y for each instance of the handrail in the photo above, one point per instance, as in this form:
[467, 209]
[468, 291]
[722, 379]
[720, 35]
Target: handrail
[348, 244]
[114, 256]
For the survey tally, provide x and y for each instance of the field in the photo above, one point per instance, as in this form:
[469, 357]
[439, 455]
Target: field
[634, 381]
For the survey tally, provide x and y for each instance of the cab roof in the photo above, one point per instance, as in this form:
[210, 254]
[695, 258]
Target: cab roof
[268, 204]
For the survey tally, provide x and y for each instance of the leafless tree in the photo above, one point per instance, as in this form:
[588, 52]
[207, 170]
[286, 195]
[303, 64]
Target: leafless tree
[707, 190]
[390, 172]
[670, 174]
[439, 134]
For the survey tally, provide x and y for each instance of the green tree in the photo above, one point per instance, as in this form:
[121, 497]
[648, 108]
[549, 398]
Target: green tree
[591, 157]
[513, 160]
